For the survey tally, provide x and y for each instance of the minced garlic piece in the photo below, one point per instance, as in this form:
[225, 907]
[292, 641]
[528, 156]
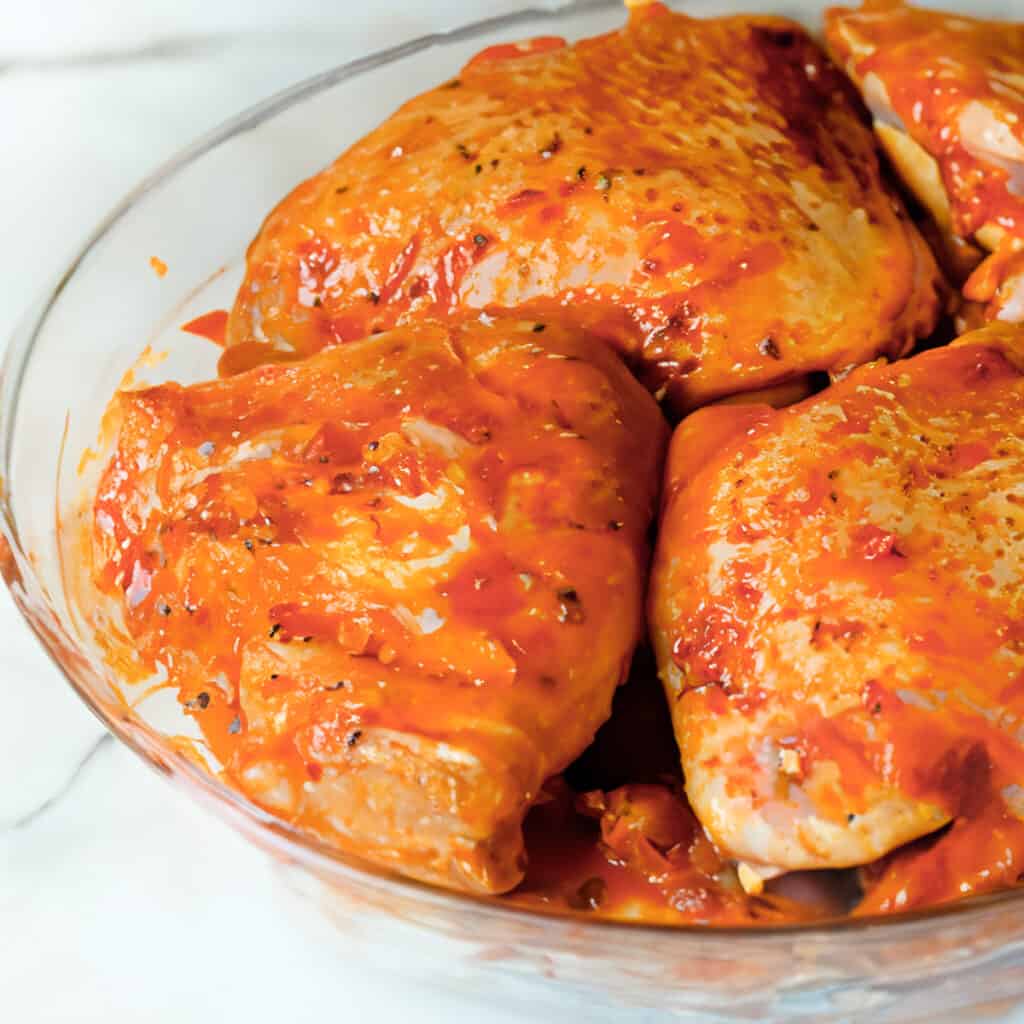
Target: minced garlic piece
[752, 882]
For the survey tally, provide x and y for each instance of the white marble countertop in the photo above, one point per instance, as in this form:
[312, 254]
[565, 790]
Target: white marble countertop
[120, 900]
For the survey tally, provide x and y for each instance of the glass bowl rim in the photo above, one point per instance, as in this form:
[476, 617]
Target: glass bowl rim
[283, 840]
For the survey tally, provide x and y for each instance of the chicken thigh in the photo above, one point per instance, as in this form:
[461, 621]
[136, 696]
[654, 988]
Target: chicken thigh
[947, 94]
[396, 584]
[838, 611]
[703, 193]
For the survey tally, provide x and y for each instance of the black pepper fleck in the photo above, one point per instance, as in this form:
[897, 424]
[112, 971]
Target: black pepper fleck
[552, 147]
[590, 895]
[343, 483]
[571, 608]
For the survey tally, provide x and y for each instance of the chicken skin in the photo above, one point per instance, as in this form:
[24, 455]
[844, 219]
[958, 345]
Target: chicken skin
[702, 193]
[838, 614]
[396, 584]
[947, 94]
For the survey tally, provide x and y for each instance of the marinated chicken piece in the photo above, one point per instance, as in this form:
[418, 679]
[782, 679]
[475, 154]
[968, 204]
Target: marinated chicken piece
[703, 193]
[838, 611]
[397, 583]
[947, 94]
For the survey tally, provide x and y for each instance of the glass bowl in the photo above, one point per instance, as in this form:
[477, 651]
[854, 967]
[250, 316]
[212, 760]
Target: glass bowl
[197, 215]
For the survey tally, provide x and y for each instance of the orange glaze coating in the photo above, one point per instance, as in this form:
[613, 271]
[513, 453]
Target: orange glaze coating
[836, 604]
[981, 852]
[704, 193]
[396, 584]
[213, 326]
[955, 84]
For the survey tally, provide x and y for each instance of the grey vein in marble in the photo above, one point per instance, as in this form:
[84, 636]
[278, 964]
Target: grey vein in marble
[161, 49]
[27, 819]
